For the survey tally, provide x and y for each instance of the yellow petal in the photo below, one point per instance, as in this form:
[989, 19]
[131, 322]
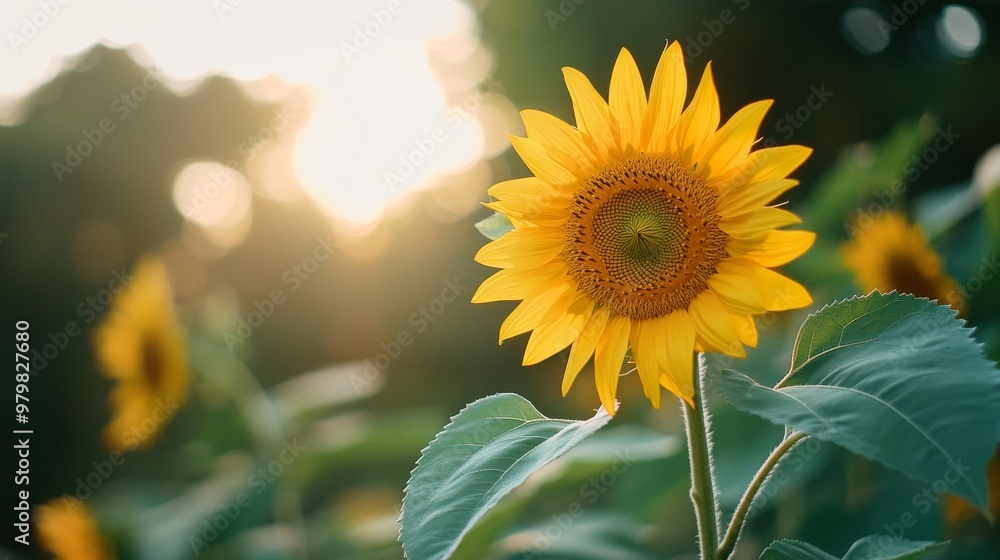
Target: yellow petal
[731, 144]
[767, 164]
[541, 164]
[627, 99]
[715, 325]
[781, 247]
[645, 337]
[740, 199]
[552, 337]
[666, 99]
[746, 329]
[777, 292]
[593, 117]
[538, 310]
[520, 283]
[584, 346]
[524, 188]
[699, 120]
[677, 355]
[608, 359]
[733, 289]
[563, 142]
[528, 247]
[533, 212]
[755, 225]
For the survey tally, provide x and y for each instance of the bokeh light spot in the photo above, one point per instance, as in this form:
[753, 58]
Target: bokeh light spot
[960, 30]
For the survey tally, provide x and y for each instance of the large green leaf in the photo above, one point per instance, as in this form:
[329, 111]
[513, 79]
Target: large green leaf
[488, 449]
[885, 547]
[794, 550]
[893, 378]
[580, 535]
[874, 547]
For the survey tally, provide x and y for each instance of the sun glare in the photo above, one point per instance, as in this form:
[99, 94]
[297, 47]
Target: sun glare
[395, 91]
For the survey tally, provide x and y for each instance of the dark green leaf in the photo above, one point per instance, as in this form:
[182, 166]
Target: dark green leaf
[581, 535]
[895, 379]
[885, 547]
[794, 550]
[488, 449]
[874, 547]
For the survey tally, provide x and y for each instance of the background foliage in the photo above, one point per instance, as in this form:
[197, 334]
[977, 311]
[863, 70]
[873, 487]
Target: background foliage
[362, 438]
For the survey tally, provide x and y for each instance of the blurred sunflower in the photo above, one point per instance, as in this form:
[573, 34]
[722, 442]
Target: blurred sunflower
[140, 346]
[67, 529]
[891, 254]
[644, 227]
[962, 518]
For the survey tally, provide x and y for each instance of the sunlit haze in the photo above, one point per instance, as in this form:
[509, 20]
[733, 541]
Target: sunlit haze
[397, 94]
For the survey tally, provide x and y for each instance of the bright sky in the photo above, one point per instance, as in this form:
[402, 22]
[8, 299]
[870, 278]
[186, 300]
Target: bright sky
[383, 121]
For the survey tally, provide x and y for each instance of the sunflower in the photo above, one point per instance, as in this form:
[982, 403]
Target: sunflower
[644, 227]
[67, 529]
[891, 254]
[140, 346]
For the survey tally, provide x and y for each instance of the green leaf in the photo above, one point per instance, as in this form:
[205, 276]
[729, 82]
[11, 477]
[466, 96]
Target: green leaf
[581, 535]
[488, 449]
[885, 547]
[874, 547]
[794, 550]
[494, 226]
[619, 447]
[893, 378]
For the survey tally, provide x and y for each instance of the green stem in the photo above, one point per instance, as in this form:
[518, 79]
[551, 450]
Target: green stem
[702, 478]
[254, 398]
[739, 516]
[265, 423]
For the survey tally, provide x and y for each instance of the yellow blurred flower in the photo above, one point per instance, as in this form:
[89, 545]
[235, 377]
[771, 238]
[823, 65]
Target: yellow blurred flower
[961, 517]
[140, 345]
[67, 529]
[646, 226]
[891, 254]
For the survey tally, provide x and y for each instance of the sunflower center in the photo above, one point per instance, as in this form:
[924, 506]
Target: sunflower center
[906, 276]
[643, 237]
[153, 356]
